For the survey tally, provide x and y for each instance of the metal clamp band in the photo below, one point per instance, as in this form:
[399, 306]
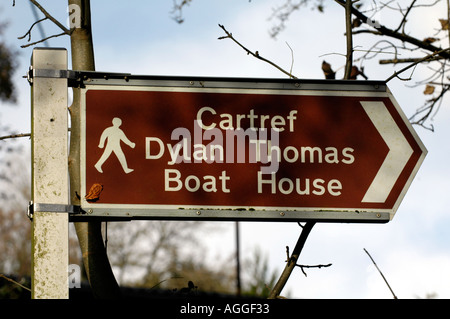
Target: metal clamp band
[50, 73]
[51, 208]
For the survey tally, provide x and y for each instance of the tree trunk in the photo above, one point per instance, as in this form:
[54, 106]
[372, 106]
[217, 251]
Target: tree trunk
[95, 259]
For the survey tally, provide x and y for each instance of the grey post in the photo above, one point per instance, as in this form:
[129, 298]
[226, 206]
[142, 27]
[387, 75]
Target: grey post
[50, 182]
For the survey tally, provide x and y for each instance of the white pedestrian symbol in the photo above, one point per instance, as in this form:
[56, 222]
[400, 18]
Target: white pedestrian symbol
[114, 135]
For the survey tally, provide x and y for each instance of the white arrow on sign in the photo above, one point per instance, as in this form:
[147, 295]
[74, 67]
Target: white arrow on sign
[399, 152]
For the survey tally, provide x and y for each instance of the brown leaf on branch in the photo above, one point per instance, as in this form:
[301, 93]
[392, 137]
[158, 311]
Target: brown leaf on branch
[355, 72]
[429, 89]
[430, 40]
[444, 24]
[356, 23]
[328, 71]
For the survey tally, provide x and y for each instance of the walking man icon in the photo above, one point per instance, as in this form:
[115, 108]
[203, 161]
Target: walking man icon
[114, 135]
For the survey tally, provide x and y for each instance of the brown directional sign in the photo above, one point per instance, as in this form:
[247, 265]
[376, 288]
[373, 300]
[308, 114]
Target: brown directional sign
[246, 150]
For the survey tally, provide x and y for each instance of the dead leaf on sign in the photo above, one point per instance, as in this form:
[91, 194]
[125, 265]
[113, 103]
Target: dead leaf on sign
[94, 193]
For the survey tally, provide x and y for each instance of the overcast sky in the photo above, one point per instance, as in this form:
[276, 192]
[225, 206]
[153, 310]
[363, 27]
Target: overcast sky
[140, 37]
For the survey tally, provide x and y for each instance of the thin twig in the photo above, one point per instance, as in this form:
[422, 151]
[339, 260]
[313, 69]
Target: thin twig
[15, 282]
[159, 283]
[49, 16]
[289, 260]
[29, 30]
[14, 136]
[311, 266]
[292, 260]
[292, 59]
[395, 297]
[405, 15]
[428, 108]
[52, 36]
[408, 60]
[426, 58]
[256, 54]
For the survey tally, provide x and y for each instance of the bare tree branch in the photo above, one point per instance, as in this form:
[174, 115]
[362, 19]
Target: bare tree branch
[382, 30]
[403, 22]
[288, 260]
[311, 266]
[292, 260]
[407, 60]
[14, 136]
[29, 30]
[428, 109]
[14, 282]
[49, 16]
[292, 58]
[43, 40]
[409, 43]
[255, 54]
[373, 261]
[426, 58]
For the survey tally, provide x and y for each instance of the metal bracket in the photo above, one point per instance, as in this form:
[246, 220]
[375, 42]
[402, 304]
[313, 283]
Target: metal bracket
[52, 208]
[49, 73]
[75, 78]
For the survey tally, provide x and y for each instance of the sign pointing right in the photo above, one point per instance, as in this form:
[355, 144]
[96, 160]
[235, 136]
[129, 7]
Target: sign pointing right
[399, 152]
[233, 149]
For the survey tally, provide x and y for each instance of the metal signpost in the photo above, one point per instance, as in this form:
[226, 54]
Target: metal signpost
[244, 149]
[50, 183]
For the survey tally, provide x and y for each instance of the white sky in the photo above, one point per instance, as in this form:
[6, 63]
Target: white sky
[140, 37]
